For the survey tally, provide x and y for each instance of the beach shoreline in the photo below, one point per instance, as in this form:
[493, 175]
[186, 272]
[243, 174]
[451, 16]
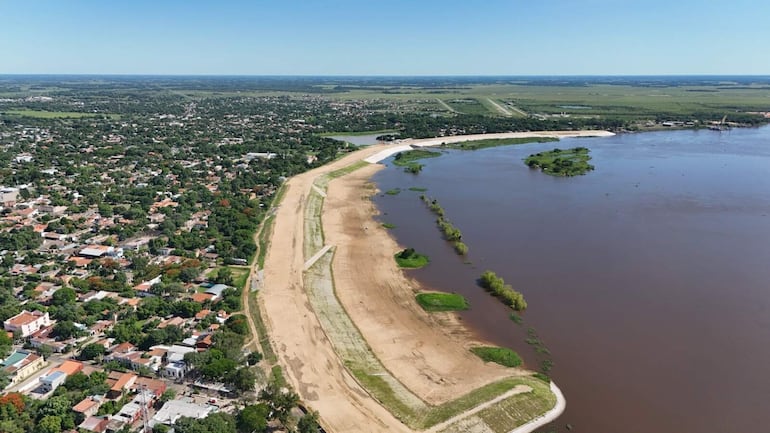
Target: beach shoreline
[427, 353]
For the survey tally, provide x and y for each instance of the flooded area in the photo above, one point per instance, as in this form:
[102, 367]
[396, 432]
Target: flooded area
[648, 279]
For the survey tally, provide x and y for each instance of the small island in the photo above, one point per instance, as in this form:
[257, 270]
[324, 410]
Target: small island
[408, 159]
[558, 162]
[409, 258]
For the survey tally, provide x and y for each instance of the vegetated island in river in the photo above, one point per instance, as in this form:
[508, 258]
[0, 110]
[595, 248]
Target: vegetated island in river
[408, 159]
[496, 142]
[558, 162]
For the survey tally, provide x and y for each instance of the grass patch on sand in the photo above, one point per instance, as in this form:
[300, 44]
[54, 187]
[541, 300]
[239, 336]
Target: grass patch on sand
[498, 355]
[495, 142]
[409, 258]
[563, 163]
[346, 170]
[441, 302]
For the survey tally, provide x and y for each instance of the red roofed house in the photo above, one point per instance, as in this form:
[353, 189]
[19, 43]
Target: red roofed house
[27, 322]
[88, 406]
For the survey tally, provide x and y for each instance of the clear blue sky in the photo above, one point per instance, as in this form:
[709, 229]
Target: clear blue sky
[374, 37]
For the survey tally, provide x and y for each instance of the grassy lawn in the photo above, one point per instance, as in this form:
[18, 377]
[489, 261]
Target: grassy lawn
[441, 301]
[409, 258]
[562, 163]
[495, 142]
[498, 355]
[240, 274]
[56, 114]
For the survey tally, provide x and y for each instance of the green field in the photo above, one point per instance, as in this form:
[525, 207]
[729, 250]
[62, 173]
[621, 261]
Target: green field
[558, 162]
[441, 302]
[56, 114]
[498, 355]
[404, 159]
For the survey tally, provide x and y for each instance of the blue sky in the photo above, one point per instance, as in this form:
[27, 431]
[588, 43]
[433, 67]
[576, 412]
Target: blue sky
[372, 37]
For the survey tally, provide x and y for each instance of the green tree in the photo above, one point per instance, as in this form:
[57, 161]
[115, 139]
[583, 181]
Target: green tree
[308, 423]
[253, 419]
[224, 276]
[92, 351]
[49, 424]
[243, 379]
[63, 296]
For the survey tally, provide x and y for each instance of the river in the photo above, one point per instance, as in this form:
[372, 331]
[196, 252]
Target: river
[648, 279]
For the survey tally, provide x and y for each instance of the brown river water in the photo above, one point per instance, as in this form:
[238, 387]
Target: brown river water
[648, 279]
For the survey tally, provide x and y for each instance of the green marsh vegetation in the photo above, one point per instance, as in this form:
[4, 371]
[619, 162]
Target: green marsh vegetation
[394, 191]
[389, 225]
[451, 233]
[558, 162]
[417, 189]
[498, 355]
[441, 302]
[409, 258]
[496, 286]
[495, 142]
[409, 158]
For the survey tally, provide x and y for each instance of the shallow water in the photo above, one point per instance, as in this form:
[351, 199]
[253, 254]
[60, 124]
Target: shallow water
[648, 279]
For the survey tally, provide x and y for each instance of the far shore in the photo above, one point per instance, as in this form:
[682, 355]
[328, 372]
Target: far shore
[411, 143]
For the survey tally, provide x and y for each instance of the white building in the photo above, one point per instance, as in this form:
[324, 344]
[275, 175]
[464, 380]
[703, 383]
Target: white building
[52, 381]
[8, 196]
[27, 322]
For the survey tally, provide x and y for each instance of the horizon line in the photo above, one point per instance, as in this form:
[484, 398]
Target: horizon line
[381, 75]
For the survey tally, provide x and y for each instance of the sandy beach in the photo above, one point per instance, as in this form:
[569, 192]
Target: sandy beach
[428, 353]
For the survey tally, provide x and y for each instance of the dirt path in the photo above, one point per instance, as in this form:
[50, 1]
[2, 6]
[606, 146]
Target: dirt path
[504, 111]
[445, 105]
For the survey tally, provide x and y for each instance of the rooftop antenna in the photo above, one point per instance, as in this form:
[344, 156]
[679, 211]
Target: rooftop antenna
[145, 421]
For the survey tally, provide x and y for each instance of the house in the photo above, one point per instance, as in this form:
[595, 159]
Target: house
[22, 364]
[95, 424]
[27, 322]
[69, 367]
[52, 380]
[216, 290]
[204, 343]
[175, 370]
[88, 406]
[154, 386]
[202, 297]
[175, 409]
[119, 383]
[96, 251]
[8, 196]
